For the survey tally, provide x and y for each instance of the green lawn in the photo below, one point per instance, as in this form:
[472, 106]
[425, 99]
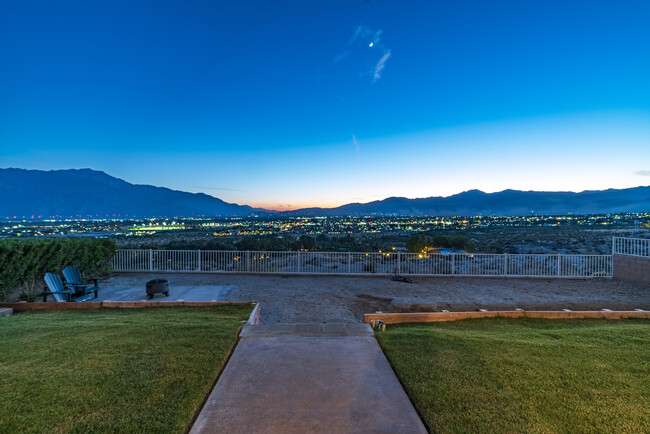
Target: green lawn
[111, 370]
[525, 375]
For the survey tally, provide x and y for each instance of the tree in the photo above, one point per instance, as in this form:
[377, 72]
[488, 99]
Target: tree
[418, 243]
[307, 243]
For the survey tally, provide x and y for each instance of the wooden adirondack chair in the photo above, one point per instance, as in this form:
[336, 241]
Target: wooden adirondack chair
[61, 292]
[56, 289]
[75, 282]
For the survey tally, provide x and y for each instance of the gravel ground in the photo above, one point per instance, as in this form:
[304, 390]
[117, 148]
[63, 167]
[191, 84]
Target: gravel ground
[293, 299]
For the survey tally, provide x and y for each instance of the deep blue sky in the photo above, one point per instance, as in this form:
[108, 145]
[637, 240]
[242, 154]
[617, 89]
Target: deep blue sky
[286, 104]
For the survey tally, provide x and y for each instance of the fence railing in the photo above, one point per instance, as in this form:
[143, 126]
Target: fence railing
[372, 263]
[631, 246]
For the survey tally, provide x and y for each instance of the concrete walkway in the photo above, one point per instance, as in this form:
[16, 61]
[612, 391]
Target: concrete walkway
[316, 378]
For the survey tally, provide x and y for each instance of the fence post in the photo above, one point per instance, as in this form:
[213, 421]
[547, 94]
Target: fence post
[505, 264]
[150, 259]
[198, 260]
[299, 262]
[453, 264]
[559, 269]
[613, 245]
[349, 263]
[399, 264]
[248, 261]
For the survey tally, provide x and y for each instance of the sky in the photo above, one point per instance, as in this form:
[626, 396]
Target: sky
[290, 104]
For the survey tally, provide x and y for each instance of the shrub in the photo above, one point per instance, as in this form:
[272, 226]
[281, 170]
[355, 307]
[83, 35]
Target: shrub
[25, 262]
[420, 242]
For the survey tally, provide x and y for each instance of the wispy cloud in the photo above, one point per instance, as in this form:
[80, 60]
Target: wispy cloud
[341, 56]
[364, 34]
[643, 172]
[379, 67]
[365, 38]
[357, 33]
[376, 39]
[355, 142]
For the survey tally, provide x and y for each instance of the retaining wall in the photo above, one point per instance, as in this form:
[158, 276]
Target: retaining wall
[633, 269]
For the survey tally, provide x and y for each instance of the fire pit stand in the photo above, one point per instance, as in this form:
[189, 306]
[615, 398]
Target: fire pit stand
[157, 285]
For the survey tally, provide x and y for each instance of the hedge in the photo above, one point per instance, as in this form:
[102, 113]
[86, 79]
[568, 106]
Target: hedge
[25, 262]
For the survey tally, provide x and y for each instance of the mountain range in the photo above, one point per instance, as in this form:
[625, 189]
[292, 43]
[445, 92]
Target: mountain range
[502, 203]
[90, 193]
[86, 192]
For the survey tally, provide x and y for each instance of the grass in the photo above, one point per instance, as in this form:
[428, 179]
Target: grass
[525, 375]
[112, 370]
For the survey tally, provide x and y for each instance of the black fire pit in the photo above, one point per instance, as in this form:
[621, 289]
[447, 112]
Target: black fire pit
[157, 285]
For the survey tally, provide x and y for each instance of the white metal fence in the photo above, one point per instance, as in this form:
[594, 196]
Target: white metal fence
[407, 264]
[631, 246]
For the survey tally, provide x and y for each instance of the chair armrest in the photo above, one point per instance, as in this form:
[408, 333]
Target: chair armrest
[95, 279]
[77, 285]
[83, 289]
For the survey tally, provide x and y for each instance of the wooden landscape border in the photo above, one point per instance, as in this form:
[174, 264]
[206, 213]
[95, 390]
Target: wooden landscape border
[396, 318]
[28, 307]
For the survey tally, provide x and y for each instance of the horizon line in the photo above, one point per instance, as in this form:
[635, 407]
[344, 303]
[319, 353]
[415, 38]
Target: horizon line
[269, 207]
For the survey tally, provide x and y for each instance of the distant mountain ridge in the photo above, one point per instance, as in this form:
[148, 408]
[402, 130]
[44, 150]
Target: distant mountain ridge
[86, 192]
[504, 203]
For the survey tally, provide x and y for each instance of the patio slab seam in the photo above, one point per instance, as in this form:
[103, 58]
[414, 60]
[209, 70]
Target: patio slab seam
[326, 330]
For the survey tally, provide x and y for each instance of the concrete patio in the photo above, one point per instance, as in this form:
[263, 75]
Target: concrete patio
[133, 288]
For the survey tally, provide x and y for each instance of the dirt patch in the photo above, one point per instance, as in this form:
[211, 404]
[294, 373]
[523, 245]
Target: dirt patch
[296, 299]
[418, 307]
[370, 303]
